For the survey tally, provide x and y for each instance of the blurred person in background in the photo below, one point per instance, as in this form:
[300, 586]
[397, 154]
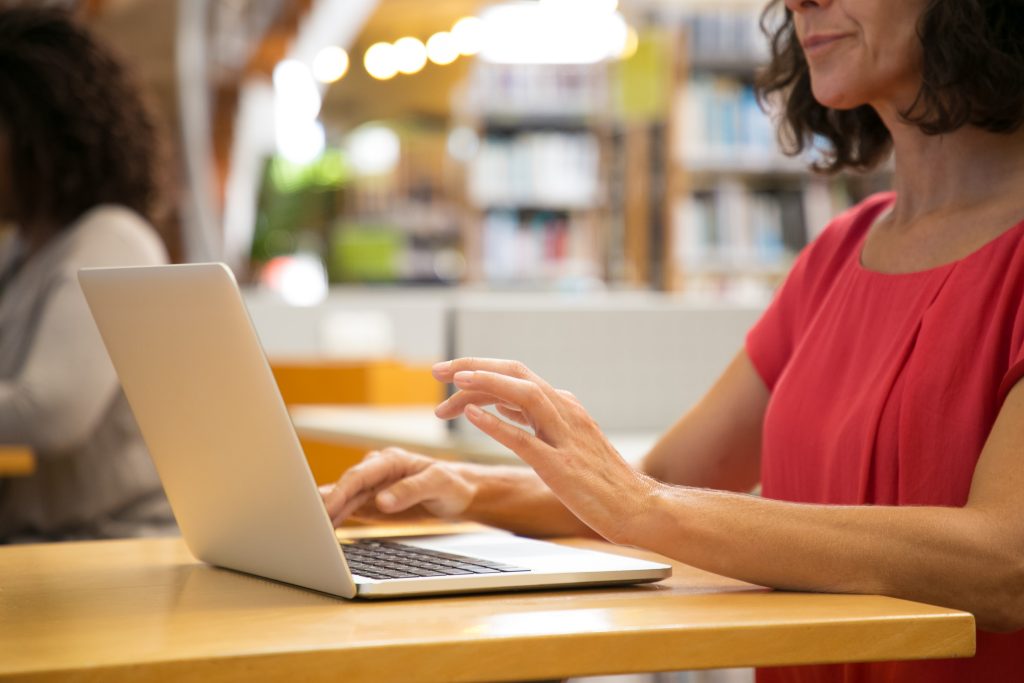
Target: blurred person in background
[78, 188]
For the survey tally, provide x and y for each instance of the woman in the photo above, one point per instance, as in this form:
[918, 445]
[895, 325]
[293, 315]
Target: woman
[78, 184]
[877, 401]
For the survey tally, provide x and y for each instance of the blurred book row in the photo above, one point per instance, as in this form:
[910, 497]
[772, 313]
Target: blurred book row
[537, 169]
[541, 248]
[537, 91]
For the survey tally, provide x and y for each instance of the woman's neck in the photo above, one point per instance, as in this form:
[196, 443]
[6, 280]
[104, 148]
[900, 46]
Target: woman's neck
[948, 174]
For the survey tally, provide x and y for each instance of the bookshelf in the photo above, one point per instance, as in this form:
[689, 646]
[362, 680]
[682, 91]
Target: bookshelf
[738, 210]
[659, 172]
[536, 194]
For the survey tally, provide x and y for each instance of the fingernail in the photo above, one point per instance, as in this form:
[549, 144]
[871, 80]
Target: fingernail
[441, 368]
[386, 500]
[474, 411]
[464, 378]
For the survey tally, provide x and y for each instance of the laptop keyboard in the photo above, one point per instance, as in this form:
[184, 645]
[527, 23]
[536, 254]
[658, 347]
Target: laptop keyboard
[377, 559]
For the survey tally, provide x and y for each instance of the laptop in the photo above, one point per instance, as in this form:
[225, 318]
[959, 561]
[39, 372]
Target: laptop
[218, 431]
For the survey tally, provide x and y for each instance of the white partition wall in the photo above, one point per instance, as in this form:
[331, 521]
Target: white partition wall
[636, 360]
[635, 366]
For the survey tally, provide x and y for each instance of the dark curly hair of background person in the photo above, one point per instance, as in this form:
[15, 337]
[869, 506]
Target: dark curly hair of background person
[973, 63]
[78, 131]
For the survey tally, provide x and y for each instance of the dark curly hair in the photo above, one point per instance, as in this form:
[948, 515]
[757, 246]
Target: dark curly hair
[78, 133]
[973, 66]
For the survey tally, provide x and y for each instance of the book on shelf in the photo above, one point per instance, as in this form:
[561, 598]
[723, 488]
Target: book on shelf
[725, 38]
[735, 229]
[538, 91]
[724, 129]
[538, 246]
[541, 169]
[732, 229]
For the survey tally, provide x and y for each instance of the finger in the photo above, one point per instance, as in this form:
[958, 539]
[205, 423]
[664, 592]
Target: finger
[351, 506]
[454, 405]
[513, 414]
[568, 395]
[437, 489]
[376, 470]
[530, 398]
[445, 372]
[561, 399]
[527, 446]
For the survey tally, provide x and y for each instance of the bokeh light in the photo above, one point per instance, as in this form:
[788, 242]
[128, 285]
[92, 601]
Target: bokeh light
[330, 64]
[380, 61]
[442, 48]
[410, 55]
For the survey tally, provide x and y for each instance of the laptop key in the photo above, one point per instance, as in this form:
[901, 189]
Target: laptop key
[378, 559]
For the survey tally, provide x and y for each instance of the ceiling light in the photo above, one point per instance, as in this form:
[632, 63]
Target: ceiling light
[441, 48]
[632, 43]
[468, 35]
[605, 6]
[554, 32]
[300, 142]
[295, 90]
[411, 55]
[373, 149]
[330, 64]
[380, 61]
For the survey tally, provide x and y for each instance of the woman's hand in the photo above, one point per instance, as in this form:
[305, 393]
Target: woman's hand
[566, 449]
[396, 483]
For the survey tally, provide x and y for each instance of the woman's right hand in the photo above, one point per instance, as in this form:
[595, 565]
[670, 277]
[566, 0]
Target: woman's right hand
[394, 483]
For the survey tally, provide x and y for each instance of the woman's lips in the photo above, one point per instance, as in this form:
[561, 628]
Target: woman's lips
[820, 42]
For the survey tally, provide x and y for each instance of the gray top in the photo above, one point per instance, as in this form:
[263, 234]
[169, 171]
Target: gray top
[59, 393]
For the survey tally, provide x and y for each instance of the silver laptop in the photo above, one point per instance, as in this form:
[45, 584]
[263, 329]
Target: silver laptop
[209, 409]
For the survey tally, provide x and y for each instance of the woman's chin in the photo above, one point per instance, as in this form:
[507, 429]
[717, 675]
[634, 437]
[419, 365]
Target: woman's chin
[833, 99]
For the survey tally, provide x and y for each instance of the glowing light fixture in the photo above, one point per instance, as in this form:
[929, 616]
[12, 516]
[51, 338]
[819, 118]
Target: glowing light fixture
[380, 61]
[632, 43]
[410, 55]
[298, 135]
[300, 279]
[442, 49]
[597, 6]
[330, 64]
[373, 149]
[468, 33]
[295, 90]
[299, 141]
[553, 32]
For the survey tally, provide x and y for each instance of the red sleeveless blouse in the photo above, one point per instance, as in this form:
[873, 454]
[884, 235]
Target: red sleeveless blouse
[883, 391]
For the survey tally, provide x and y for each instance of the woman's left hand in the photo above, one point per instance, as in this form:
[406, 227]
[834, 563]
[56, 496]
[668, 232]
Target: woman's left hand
[567, 449]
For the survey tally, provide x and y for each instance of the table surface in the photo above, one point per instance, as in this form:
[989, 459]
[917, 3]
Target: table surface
[146, 610]
[16, 461]
[416, 428]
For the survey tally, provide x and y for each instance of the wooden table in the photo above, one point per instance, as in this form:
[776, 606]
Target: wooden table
[16, 461]
[416, 428]
[145, 610]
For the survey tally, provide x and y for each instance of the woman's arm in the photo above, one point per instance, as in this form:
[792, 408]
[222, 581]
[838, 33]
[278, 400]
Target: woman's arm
[66, 382]
[717, 444]
[970, 558]
[64, 386]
